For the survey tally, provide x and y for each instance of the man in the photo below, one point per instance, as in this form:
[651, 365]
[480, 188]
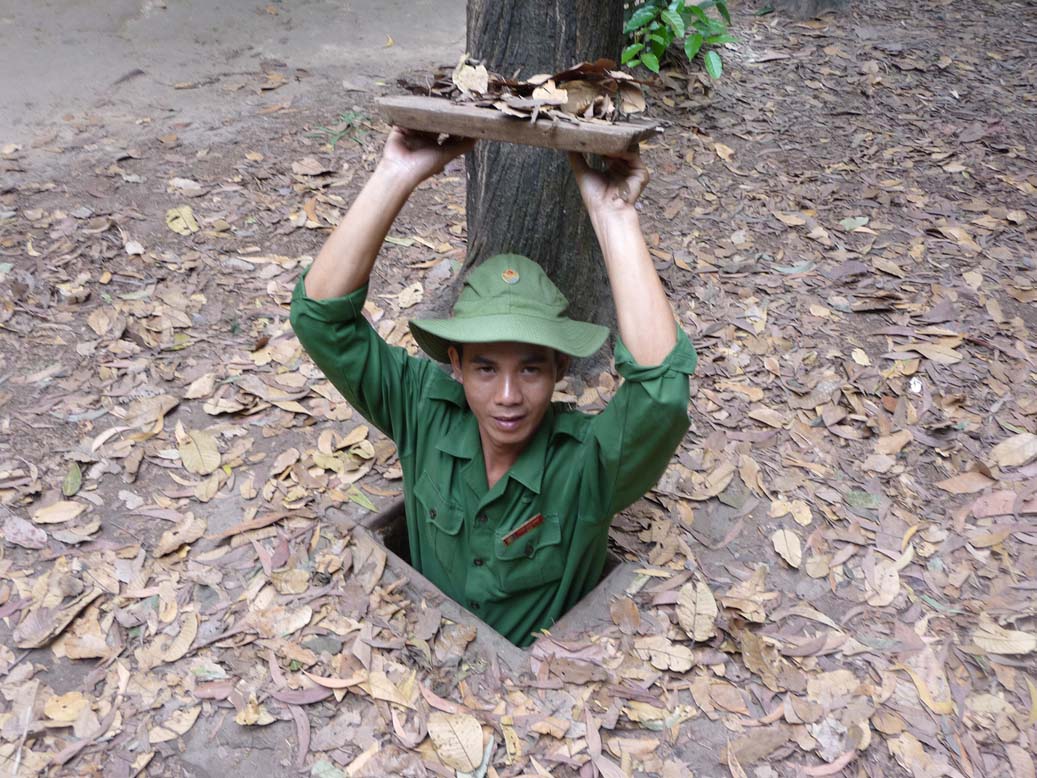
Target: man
[508, 499]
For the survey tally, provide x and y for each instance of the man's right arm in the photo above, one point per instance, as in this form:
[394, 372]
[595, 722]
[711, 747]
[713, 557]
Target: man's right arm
[380, 381]
[344, 263]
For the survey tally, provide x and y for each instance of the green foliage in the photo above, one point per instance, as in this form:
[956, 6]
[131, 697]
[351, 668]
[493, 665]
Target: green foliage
[654, 25]
[348, 126]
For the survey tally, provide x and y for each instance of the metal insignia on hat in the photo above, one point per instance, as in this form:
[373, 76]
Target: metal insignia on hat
[510, 276]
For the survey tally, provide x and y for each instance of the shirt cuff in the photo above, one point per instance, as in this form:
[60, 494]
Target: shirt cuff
[331, 309]
[681, 359]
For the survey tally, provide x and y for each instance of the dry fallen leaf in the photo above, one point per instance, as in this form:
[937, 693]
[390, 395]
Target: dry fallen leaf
[58, 512]
[66, 708]
[625, 615]
[728, 697]
[787, 544]
[254, 714]
[798, 508]
[697, 611]
[1021, 761]
[723, 151]
[891, 445]
[790, 219]
[295, 581]
[768, 416]
[310, 166]
[966, 483]
[942, 355]
[995, 639]
[181, 644]
[458, 739]
[188, 531]
[181, 220]
[411, 295]
[860, 356]
[1015, 451]
[179, 723]
[882, 583]
[663, 654]
[19, 532]
[199, 452]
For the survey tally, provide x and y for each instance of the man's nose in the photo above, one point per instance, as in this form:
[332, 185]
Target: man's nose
[508, 390]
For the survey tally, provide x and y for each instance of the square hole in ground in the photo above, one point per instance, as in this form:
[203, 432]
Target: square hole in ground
[389, 528]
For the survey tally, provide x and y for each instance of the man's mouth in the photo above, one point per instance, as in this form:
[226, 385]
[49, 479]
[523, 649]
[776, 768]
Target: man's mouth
[509, 423]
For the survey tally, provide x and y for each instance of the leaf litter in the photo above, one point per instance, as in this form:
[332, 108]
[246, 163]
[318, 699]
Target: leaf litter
[839, 563]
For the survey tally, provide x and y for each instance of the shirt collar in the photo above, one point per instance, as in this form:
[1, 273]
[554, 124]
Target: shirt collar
[444, 387]
[464, 443]
[528, 469]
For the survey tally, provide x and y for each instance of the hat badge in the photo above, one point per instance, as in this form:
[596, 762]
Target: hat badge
[510, 276]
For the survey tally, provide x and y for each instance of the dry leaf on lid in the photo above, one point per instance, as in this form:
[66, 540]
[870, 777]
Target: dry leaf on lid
[469, 78]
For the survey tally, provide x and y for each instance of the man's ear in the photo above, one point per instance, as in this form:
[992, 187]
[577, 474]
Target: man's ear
[562, 362]
[455, 363]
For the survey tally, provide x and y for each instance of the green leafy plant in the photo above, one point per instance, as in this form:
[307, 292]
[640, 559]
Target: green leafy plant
[348, 126]
[654, 25]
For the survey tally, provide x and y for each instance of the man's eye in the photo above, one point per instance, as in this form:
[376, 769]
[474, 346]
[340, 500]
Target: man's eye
[531, 370]
[485, 369]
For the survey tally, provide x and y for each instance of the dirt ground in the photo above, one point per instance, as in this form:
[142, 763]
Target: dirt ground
[837, 569]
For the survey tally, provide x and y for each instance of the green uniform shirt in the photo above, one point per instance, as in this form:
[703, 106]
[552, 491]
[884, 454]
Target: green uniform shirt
[521, 554]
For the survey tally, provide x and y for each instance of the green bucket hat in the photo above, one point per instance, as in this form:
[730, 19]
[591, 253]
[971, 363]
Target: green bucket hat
[509, 298]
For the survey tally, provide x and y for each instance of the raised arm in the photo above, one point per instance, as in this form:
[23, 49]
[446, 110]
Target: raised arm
[646, 321]
[345, 261]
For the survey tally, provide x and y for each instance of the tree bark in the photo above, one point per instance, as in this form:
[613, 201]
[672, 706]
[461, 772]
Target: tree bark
[524, 200]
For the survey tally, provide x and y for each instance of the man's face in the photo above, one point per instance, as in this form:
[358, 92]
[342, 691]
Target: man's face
[508, 386]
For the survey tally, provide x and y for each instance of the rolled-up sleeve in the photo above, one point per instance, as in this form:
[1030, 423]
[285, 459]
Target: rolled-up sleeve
[382, 382]
[634, 438]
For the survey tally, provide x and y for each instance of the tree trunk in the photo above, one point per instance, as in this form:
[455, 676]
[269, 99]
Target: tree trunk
[524, 200]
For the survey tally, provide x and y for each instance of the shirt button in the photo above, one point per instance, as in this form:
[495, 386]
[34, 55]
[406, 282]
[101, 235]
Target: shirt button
[432, 513]
[482, 518]
[478, 563]
[475, 606]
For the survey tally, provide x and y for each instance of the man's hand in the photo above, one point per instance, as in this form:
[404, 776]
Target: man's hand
[345, 261]
[642, 310]
[417, 156]
[615, 189]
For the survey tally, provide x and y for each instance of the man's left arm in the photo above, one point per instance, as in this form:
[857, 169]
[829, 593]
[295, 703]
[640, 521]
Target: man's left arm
[646, 322]
[637, 434]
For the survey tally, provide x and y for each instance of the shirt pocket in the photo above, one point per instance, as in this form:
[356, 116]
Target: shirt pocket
[440, 522]
[533, 560]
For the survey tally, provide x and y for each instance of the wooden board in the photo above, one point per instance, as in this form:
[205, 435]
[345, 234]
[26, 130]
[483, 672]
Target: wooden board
[437, 114]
